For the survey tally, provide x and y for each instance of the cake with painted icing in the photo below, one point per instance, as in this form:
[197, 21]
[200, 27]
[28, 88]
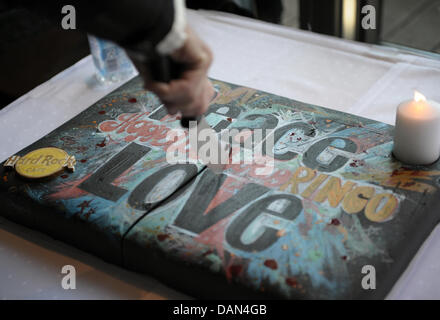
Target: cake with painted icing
[308, 219]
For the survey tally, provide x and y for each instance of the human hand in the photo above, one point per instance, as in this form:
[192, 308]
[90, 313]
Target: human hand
[191, 92]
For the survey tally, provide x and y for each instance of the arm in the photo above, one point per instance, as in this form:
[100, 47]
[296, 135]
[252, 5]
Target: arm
[143, 27]
[125, 22]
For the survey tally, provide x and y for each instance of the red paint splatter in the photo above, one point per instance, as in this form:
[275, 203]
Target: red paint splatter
[64, 176]
[84, 205]
[132, 100]
[409, 184]
[291, 282]
[208, 252]
[162, 237]
[344, 258]
[68, 140]
[89, 213]
[102, 144]
[272, 264]
[229, 119]
[102, 112]
[335, 222]
[83, 160]
[81, 149]
[235, 270]
[356, 163]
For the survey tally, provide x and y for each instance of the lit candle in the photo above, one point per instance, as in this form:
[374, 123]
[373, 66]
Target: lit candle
[417, 131]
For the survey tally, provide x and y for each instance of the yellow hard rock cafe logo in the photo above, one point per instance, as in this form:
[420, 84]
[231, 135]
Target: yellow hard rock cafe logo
[41, 163]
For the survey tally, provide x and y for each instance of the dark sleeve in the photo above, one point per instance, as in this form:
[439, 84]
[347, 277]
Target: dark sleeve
[126, 22]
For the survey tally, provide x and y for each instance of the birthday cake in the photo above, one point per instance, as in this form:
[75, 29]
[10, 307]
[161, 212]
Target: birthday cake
[324, 212]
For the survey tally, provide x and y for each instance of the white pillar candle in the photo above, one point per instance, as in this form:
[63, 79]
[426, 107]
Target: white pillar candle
[417, 131]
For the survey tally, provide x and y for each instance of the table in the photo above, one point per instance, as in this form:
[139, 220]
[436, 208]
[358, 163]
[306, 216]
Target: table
[365, 80]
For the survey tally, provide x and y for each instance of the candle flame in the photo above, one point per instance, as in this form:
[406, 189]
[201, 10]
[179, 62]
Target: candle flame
[418, 96]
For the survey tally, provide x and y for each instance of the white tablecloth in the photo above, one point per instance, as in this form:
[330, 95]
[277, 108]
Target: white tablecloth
[365, 80]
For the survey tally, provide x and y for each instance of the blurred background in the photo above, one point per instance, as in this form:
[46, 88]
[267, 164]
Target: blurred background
[33, 50]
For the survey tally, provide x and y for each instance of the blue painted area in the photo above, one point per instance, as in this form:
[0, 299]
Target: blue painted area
[313, 256]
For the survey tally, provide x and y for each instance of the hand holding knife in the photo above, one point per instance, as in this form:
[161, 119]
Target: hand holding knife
[165, 69]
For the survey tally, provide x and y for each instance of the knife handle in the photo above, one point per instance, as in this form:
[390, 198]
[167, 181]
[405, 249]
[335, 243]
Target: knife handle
[184, 122]
[165, 69]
